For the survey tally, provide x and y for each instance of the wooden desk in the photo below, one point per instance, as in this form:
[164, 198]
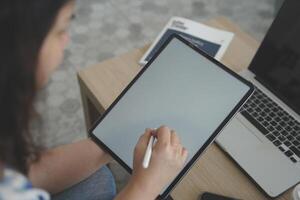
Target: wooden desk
[215, 171]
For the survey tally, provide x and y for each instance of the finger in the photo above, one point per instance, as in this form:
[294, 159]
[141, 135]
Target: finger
[154, 132]
[144, 139]
[174, 138]
[178, 151]
[184, 154]
[163, 135]
[141, 147]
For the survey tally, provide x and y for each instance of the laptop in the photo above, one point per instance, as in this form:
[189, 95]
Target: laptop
[264, 138]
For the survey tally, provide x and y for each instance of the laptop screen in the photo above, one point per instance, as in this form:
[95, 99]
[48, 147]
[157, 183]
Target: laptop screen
[277, 62]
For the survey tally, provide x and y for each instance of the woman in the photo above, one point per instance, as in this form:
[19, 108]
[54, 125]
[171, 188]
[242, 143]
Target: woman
[33, 37]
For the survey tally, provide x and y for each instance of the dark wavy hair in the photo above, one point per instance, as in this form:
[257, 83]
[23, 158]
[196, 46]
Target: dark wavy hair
[24, 25]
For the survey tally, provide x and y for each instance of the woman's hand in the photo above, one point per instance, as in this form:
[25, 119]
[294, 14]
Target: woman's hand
[168, 158]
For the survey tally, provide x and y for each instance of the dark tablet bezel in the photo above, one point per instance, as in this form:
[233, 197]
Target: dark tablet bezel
[209, 140]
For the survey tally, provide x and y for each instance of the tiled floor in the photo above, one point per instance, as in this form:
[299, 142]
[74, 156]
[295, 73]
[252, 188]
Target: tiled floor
[106, 28]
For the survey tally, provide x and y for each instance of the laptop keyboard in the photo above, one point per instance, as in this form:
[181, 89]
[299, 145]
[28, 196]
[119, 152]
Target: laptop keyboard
[275, 123]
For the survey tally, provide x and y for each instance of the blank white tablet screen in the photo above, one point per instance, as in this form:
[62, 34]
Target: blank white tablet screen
[181, 89]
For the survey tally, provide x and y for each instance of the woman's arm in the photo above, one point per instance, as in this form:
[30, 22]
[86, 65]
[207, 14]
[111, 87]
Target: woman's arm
[64, 166]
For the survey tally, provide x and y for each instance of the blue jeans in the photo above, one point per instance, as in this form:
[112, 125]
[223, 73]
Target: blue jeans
[99, 186]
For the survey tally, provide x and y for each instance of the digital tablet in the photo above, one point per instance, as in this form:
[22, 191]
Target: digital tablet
[181, 87]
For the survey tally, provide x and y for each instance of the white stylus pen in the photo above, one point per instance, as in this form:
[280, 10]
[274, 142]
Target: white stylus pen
[148, 153]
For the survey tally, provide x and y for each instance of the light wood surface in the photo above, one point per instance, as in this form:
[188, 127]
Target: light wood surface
[214, 171]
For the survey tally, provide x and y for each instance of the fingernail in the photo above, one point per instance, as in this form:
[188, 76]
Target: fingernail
[153, 132]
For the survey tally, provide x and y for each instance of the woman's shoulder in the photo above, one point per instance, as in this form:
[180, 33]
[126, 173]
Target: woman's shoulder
[15, 186]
